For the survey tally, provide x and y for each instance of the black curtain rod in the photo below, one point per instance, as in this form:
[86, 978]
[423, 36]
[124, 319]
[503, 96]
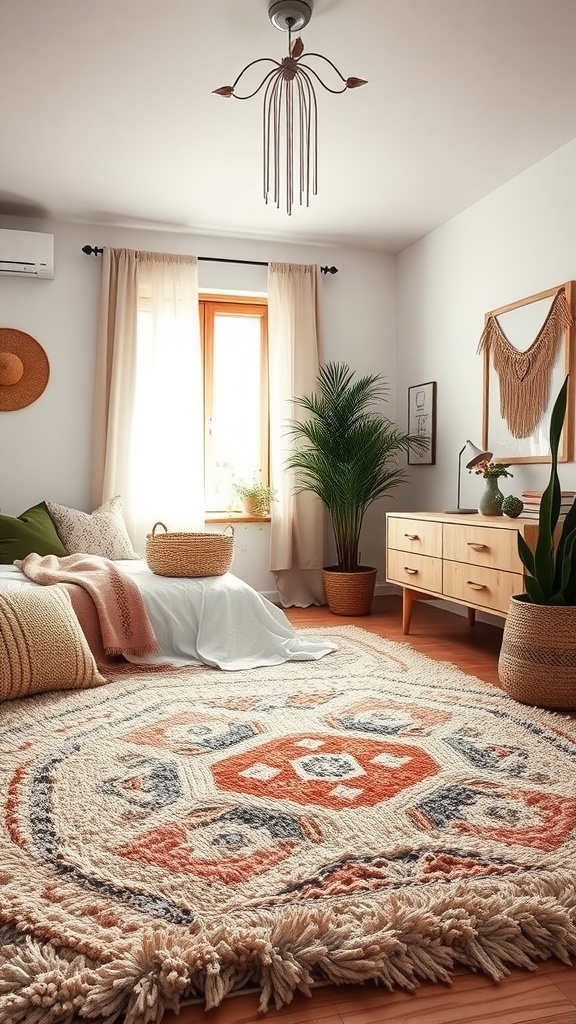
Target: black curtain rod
[95, 250]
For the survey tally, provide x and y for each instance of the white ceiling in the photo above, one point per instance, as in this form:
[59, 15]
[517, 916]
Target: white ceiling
[107, 112]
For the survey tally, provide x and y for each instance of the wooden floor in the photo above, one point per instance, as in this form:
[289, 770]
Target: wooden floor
[544, 996]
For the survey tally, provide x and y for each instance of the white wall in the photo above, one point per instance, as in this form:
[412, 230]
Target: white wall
[519, 240]
[45, 447]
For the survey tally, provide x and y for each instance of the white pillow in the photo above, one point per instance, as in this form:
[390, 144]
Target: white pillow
[102, 532]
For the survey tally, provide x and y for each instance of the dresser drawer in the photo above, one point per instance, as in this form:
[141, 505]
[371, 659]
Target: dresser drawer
[490, 588]
[472, 559]
[493, 547]
[419, 572]
[417, 535]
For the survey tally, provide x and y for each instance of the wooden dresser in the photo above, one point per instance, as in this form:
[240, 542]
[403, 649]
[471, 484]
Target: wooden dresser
[470, 559]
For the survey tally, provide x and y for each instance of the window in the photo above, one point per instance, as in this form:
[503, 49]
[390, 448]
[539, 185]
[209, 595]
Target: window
[235, 365]
[234, 333]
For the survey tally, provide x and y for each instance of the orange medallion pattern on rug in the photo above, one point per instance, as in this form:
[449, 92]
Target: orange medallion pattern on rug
[325, 770]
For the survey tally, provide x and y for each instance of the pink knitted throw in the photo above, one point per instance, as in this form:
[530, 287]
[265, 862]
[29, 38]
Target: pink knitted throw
[107, 602]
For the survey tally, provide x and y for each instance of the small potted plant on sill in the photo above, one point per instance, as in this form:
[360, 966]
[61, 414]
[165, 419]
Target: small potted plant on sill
[537, 663]
[256, 497]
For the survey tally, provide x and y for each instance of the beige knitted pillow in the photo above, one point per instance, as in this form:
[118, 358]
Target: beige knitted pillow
[42, 646]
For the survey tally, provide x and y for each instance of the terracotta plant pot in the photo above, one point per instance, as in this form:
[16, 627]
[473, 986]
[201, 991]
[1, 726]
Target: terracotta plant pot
[349, 593]
[253, 507]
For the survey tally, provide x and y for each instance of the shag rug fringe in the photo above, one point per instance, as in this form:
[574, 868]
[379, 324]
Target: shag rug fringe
[398, 942]
[66, 953]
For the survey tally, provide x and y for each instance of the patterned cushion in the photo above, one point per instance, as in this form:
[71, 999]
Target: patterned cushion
[101, 533]
[42, 646]
[31, 531]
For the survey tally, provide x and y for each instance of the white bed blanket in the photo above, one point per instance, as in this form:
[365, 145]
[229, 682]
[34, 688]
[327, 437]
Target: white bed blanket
[218, 620]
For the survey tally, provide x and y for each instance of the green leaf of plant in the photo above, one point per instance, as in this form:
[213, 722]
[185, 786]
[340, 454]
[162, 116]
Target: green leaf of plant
[570, 588]
[568, 526]
[544, 556]
[345, 450]
[567, 563]
[526, 554]
[534, 590]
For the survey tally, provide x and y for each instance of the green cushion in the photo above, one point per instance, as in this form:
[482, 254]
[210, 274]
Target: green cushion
[32, 531]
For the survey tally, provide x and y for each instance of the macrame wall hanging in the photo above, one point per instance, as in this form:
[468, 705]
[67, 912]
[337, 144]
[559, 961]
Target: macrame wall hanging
[524, 376]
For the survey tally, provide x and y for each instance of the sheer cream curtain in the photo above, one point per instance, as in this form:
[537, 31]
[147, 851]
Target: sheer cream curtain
[148, 419]
[294, 343]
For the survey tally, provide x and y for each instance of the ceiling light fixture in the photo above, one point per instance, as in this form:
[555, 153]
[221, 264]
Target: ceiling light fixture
[290, 128]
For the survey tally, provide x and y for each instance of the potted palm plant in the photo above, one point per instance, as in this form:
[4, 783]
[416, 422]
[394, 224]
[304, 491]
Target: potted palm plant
[537, 663]
[346, 451]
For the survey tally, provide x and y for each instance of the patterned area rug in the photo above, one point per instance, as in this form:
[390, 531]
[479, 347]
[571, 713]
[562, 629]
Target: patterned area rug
[372, 815]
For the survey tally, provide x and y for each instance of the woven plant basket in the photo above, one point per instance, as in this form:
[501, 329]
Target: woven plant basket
[349, 593]
[537, 663]
[189, 554]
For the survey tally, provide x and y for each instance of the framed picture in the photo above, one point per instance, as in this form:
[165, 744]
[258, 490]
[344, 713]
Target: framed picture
[422, 421]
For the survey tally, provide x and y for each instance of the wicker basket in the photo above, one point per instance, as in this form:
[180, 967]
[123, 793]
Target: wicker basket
[537, 663]
[189, 554]
[349, 593]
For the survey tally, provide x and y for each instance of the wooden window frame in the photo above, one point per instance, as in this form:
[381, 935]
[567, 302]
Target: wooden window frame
[209, 306]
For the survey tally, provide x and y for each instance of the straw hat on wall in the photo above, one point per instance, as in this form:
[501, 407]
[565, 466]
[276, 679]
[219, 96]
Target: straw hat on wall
[24, 369]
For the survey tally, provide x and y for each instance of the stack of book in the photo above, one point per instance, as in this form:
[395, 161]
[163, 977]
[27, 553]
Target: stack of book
[532, 501]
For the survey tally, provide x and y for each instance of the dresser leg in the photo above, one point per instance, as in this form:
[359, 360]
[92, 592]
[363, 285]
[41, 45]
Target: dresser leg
[407, 602]
[471, 616]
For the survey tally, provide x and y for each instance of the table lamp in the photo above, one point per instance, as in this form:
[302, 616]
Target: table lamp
[474, 455]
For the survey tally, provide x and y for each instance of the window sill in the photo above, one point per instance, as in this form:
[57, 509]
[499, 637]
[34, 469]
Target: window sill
[234, 517]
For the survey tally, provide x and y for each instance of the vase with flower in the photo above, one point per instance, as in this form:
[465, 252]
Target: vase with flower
[490, 503]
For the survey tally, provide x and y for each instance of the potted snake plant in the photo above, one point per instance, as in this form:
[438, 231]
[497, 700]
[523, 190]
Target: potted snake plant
[537, 663]
[346, 451]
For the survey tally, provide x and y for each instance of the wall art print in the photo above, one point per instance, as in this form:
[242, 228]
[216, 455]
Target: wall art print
[422, 421]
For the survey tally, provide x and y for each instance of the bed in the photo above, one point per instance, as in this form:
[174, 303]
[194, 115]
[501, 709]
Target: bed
[219, 621]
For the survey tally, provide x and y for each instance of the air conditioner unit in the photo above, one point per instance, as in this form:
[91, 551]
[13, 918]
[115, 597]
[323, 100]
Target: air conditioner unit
[26, 254]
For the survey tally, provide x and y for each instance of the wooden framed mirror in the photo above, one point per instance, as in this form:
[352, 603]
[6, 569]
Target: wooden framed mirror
[518, 388]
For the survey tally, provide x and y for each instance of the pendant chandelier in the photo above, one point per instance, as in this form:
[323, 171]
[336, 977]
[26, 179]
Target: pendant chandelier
[290, 122]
